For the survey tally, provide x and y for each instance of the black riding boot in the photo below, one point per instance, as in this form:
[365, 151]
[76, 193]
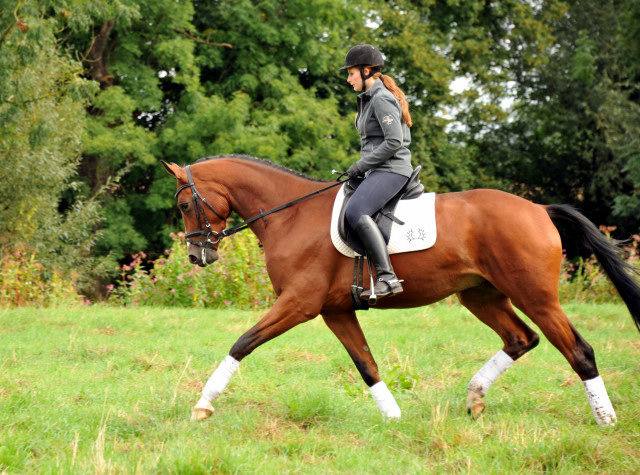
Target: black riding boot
[386, 281]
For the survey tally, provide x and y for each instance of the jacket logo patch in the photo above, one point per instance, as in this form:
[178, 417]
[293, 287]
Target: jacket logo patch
[387, 119]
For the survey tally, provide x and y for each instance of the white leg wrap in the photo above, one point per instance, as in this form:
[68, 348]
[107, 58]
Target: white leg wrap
[220, 378]
[204, 403]
[599, 401]
[484, 378]
[385, 401]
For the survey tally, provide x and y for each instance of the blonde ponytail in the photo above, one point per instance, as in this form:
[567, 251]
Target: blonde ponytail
[391, 85]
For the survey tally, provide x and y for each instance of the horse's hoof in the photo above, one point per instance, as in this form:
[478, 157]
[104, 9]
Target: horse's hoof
[199, 414]
[475, 404]
[202, 410]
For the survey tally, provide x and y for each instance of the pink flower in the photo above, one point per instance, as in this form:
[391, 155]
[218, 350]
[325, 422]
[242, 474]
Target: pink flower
[173, 291]
[227, 302]
[110, 287]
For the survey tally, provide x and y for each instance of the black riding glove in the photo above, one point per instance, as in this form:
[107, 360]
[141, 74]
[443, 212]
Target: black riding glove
[353, 171]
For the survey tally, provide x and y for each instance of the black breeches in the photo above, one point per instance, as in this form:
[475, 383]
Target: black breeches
[372, 194]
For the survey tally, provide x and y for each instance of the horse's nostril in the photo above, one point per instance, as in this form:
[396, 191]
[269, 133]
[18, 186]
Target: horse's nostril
[193, 259]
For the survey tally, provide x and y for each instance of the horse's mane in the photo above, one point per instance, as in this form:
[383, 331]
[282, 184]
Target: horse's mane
[261, 161]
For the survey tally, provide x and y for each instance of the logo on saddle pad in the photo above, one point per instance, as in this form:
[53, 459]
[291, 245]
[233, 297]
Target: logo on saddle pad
[417, 233]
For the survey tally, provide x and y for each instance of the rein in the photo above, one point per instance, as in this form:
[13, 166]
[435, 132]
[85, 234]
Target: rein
[208, 232]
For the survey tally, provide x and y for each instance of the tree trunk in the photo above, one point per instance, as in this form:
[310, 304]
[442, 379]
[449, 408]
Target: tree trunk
[96, 57]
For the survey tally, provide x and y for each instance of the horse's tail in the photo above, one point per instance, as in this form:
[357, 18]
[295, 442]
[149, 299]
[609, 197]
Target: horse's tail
[608, 252]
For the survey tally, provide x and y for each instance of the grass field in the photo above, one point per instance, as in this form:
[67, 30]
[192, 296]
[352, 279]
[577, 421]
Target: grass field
[109, 390]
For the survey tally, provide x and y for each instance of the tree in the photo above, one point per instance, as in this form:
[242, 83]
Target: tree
[137, 52]
[574, 133]
[42, 100]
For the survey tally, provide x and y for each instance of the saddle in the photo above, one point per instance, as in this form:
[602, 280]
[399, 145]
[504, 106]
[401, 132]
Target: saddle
[385, 217]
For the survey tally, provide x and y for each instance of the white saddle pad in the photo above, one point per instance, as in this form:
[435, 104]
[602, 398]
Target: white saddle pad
[418, 232]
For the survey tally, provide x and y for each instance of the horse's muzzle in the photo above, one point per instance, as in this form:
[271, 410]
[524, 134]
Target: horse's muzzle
[202, 256]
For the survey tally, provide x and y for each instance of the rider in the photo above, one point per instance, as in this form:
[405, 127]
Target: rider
[383, 122]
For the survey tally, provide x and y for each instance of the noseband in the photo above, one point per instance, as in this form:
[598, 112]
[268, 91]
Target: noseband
[206, 231]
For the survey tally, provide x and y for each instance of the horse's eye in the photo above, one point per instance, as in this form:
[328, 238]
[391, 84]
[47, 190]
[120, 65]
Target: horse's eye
[184, 206]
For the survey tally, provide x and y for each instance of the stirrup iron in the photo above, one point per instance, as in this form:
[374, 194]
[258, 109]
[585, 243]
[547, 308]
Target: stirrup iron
[373, 299]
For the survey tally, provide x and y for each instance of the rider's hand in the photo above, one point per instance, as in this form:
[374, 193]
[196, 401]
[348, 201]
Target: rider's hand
[353, 171]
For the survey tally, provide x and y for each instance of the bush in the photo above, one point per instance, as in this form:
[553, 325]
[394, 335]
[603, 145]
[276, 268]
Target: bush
[239, 278]
[584, 280]
[26, 282]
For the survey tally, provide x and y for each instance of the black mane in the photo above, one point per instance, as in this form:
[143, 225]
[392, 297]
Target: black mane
[262, 161]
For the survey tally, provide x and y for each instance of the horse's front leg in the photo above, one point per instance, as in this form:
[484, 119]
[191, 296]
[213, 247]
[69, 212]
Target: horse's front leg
[284, 315]
[346, 327]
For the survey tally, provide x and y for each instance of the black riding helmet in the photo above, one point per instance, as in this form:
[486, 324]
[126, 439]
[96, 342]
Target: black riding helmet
[364, 55]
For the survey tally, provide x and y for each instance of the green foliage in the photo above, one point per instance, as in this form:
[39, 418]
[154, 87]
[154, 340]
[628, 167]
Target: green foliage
[584, 280]
[121, 236]
[42, 111]
[239, 278]
[399, 378]
[573, 135]
[42, 129]
[271, 93]
[138, 53]
[26, 282]
[113, 134]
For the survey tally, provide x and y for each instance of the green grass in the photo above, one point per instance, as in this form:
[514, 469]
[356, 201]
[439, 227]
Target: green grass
[109, 390]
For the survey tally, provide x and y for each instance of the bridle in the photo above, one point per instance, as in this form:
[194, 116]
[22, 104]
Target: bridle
[213, 238]
[205, 230]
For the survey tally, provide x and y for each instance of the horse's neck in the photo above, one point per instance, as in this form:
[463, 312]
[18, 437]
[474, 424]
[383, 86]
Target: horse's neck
[255, 187]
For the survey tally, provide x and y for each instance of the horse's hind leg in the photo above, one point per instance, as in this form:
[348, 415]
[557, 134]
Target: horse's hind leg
[555, 325]
[346, 327]
[494, 309]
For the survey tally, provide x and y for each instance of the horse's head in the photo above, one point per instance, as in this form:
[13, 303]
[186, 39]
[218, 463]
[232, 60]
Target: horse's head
[203, 222]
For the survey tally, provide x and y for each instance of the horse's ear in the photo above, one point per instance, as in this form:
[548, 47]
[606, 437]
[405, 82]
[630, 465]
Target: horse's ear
[173, 169]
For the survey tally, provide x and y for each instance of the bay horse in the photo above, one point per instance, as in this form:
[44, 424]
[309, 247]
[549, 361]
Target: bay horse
[494, 251]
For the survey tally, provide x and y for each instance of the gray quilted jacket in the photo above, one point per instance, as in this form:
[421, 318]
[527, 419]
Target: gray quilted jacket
[384, 138]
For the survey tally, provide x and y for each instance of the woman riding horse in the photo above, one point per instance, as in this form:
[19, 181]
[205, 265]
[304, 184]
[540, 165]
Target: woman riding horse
[495, 251]
[383, 122]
